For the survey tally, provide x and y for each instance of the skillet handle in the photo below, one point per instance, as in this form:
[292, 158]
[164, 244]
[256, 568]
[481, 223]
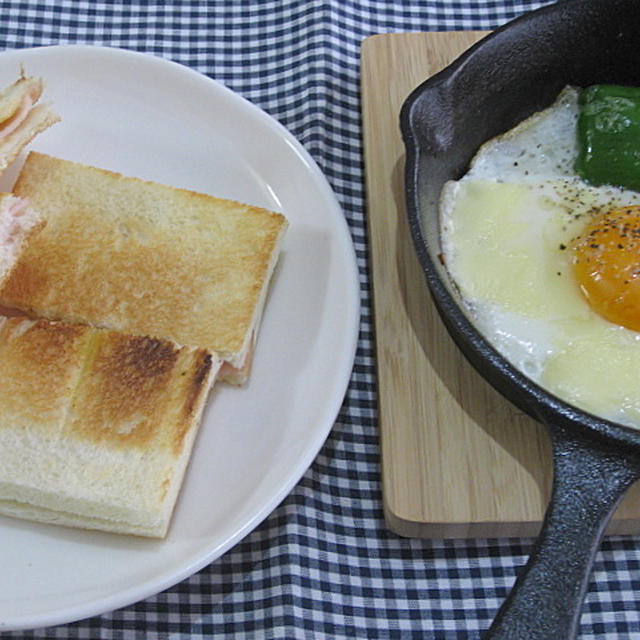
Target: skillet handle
[590, 478]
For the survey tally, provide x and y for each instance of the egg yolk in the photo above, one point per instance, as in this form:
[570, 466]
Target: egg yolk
[606, 262]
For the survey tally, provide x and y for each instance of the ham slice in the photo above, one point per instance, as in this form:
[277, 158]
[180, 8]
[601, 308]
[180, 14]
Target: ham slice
[18, 221]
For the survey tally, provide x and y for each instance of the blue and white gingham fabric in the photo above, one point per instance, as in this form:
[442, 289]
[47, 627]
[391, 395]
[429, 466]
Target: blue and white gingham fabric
[323, 565]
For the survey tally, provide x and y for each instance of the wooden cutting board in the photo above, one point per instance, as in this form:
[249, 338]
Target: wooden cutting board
[458, 460]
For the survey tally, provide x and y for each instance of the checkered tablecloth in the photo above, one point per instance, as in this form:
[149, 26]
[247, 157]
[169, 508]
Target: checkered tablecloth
[323, 565]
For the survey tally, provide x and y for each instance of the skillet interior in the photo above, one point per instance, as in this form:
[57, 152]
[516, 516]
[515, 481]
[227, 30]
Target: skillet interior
[509, 75]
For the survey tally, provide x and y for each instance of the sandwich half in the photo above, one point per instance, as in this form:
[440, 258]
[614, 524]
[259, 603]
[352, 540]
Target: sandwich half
[145, 258]
[96, 426]
[22, 118]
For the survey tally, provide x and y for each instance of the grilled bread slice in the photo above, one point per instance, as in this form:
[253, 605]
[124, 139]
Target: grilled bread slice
[145, 258]
[96, 426]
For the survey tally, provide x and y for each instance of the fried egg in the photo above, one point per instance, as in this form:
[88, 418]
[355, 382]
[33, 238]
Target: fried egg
[548, 266]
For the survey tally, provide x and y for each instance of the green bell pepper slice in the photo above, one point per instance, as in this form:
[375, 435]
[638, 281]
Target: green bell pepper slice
[609, 136]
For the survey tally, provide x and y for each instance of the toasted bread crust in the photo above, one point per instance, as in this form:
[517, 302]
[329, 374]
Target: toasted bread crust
[122, 395]
[40, 364]
[195, 381]
[143, 258]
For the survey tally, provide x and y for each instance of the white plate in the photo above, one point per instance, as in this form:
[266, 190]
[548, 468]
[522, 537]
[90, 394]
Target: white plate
[147, 117]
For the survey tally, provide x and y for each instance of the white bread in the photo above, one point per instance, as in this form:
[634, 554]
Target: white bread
[144, 258]
[21, 119]
[96, 427]
[18, 222]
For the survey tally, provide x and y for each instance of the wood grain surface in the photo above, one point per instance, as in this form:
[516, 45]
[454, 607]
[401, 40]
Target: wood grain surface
[458, 460]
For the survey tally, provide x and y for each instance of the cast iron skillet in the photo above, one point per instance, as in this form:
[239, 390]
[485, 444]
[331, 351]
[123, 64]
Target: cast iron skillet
[517, 70]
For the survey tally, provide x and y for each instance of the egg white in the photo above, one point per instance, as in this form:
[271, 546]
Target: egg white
[505, 230]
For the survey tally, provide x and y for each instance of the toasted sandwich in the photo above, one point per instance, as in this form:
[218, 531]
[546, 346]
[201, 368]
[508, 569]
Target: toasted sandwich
[96, 427]
[146, 259]
[22, 118]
